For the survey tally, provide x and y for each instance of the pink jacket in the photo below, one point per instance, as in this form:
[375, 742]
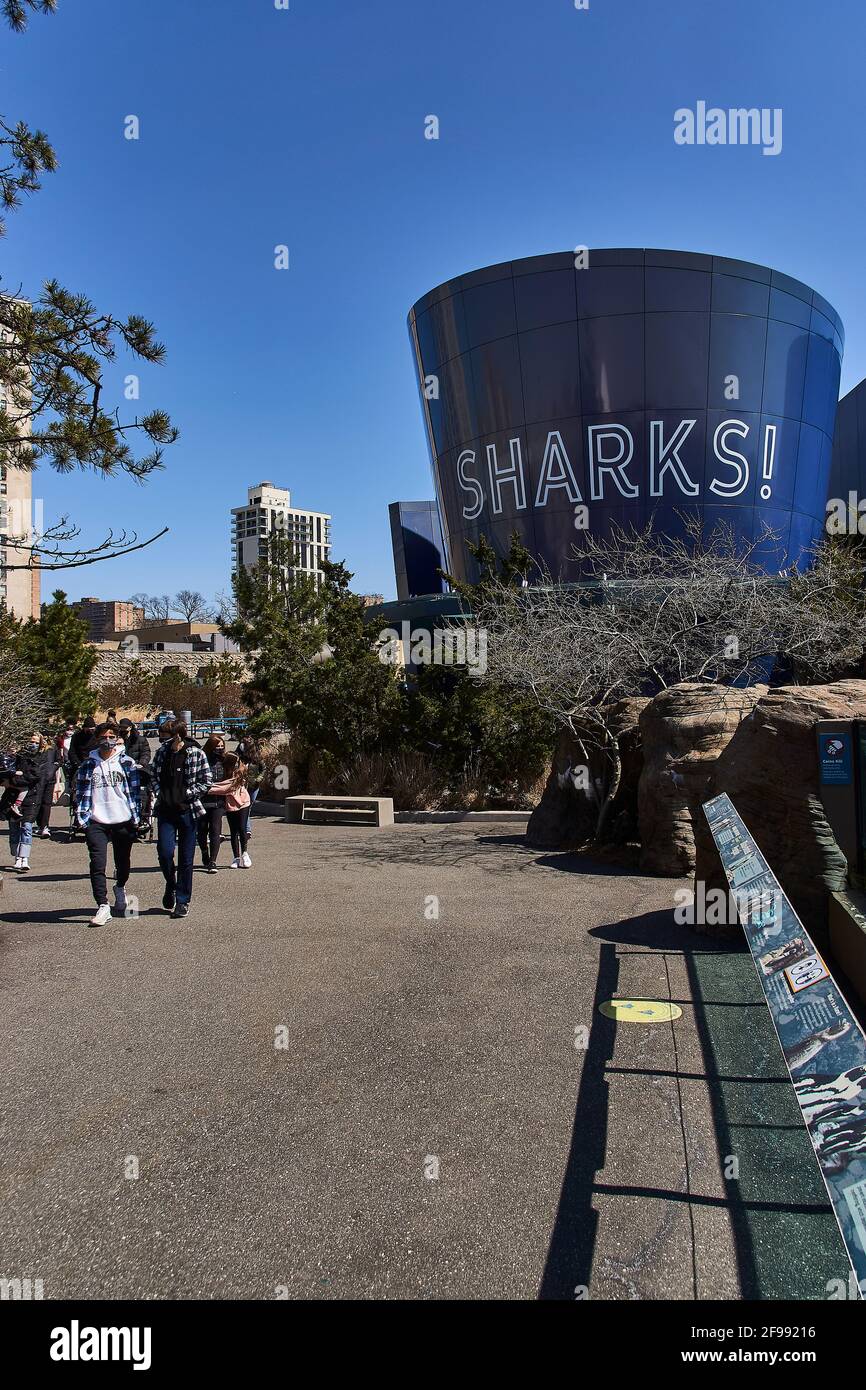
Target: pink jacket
[236, 797]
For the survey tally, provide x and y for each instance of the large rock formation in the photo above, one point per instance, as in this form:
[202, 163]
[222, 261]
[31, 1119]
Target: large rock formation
[566, 815]
[770, 771]
[684, 730]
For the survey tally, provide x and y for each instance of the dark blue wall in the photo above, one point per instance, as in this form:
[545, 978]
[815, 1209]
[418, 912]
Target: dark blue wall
[416, 541]
[545, 372]
[848, 468]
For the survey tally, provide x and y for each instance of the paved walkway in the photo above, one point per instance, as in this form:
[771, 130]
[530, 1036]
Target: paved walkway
[412, 1045]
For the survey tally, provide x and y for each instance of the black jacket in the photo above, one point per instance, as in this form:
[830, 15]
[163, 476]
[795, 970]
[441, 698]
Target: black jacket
[138, 748]
[79, 746]
[209, 802]
[31, 772]
[52, 759]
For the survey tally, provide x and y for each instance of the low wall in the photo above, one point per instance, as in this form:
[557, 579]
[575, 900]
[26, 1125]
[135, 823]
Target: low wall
[110, 666]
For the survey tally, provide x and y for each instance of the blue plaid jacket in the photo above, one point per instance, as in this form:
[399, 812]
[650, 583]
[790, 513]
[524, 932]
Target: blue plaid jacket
[84, 787]
[198, 775]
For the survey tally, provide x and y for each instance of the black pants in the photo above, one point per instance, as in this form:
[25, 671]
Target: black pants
[121, 838]
[44, 820]
[238, 830]
[209, 833]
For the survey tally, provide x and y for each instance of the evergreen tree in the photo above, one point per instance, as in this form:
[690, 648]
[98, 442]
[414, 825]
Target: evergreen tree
[54, 648]
[471, 727]
[314, 661]
[10, 626]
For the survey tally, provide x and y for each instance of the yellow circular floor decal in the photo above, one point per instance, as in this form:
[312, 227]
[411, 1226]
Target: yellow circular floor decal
[639, 1010]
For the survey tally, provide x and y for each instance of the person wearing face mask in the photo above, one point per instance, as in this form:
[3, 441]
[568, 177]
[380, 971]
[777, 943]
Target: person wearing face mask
[108, 808]
[23, 798]
[181, 776]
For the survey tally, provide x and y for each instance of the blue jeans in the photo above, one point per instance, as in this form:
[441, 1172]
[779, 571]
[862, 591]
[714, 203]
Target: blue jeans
[177, 832]
[20, 837]
[254, 791]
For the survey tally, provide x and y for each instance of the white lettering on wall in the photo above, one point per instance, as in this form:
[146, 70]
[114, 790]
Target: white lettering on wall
[471, 485]
[665, 458]
[732, 457]
[556, 472]
[511, 473]
[599, 464]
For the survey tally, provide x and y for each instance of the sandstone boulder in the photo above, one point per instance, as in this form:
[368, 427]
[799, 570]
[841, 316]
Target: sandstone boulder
[684, 730]
[770, 771]
[566, 815]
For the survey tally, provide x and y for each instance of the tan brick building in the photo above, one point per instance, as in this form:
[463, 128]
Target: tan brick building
[104, 617]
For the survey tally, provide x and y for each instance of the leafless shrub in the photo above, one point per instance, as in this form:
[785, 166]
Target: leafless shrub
[23, 706]
[658, 610]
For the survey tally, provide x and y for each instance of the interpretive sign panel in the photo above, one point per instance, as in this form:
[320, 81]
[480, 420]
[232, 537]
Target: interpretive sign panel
[822, 1043]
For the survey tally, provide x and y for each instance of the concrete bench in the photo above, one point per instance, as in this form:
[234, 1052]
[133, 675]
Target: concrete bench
[359, 810]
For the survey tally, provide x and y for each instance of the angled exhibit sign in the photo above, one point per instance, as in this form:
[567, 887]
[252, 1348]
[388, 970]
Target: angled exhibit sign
[823, 1044]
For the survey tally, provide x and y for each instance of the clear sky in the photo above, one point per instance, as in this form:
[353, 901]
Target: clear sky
[261, 126]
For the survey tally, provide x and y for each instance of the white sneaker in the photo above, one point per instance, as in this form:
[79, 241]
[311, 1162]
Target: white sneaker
[235, 864]
[24, 866]
[246, 861]
[45, 834]
[101, 917]
[120, 900]
[18, 862]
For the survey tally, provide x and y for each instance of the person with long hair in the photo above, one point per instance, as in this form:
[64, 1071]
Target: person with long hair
[52, 759]
[210, 825]
[23, 797]
[237, 798]
[250, 755]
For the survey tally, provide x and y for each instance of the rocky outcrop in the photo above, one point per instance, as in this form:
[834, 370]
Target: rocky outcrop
[770, 771]
[684, 731]
[566, 815]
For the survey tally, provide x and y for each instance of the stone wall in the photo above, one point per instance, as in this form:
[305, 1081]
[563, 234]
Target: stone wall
[110, 666]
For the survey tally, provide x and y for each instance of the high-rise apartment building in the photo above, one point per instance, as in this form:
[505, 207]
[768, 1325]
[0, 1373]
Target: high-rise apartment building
[104, 617]
[19, 586]
[269, 512]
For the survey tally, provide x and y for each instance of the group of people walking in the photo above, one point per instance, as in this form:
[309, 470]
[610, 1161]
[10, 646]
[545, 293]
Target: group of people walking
[116, 789]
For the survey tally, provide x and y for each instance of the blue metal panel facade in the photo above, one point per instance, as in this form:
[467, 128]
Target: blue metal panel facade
[416, 541]
[650, 383]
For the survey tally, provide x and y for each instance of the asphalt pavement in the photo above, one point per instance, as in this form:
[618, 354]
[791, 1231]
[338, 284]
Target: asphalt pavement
[374, 1066]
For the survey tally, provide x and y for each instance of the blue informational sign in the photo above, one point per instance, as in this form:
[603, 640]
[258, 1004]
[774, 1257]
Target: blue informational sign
[835, 759]
[823, 1044]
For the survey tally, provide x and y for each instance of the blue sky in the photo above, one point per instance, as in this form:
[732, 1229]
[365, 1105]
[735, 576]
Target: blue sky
[306, 127]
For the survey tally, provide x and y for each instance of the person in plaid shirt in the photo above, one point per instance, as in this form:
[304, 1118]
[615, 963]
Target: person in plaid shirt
[181, 776]
[108, 807]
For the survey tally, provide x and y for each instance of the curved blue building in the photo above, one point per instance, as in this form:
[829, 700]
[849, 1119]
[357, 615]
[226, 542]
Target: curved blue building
[563, 393]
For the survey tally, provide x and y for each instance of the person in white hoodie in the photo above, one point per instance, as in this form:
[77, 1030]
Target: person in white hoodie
[108, 807]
